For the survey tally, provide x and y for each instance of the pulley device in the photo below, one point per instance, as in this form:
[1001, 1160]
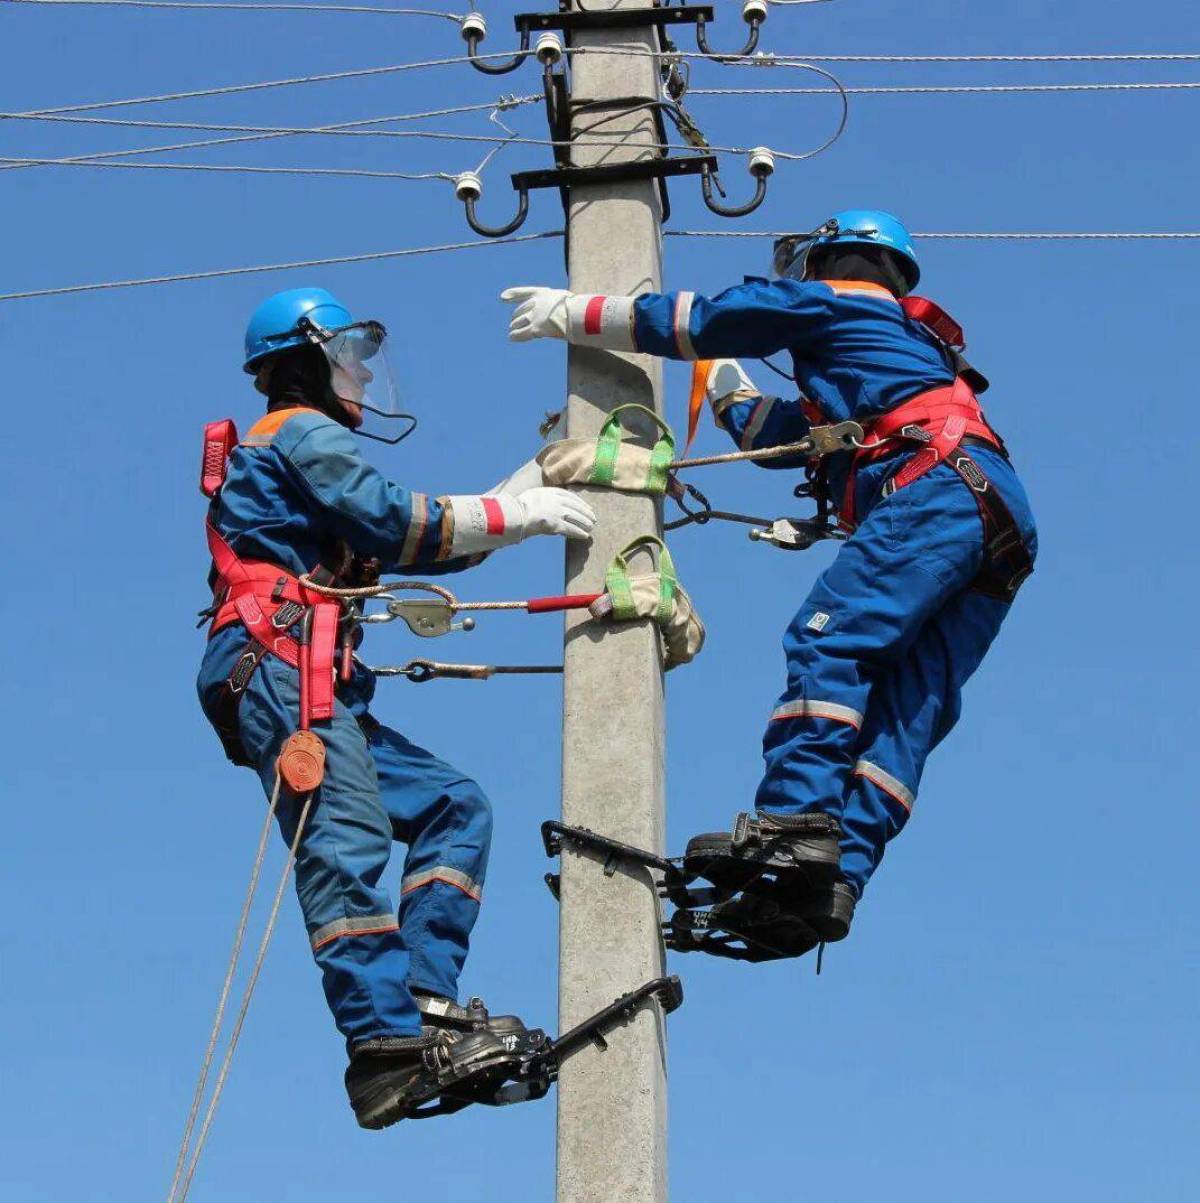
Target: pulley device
[565, 175]
[757, 905]
[469, 1070]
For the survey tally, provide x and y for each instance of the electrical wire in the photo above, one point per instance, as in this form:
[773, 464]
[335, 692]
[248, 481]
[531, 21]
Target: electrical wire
[231, 89]
[265, 133]
[998, 236]
[230, 169]
[253, 7]
[272, 267]
[945, 89]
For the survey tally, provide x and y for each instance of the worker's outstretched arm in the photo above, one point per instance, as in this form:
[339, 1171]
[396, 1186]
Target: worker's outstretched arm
[753, 421]
[754, 319]
[407, 530]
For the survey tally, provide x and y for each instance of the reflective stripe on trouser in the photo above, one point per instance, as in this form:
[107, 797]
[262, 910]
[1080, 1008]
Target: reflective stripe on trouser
[376, 790]
[890, 632]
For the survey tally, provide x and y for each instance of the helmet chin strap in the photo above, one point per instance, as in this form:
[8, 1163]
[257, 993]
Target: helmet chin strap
[380, 438]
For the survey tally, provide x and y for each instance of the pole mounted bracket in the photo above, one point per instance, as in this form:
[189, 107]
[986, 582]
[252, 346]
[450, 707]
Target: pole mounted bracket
[474, 28]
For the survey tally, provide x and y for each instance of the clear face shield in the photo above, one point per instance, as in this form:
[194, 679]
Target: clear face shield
[790, 261]
[361, 375]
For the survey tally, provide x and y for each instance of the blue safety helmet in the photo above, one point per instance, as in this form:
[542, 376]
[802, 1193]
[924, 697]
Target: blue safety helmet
[851, 227]
[276, 324]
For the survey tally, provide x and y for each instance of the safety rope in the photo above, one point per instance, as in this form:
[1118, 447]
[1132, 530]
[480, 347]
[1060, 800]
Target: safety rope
[368, 591]
[247, 994]
[234, 957]
[804, 447]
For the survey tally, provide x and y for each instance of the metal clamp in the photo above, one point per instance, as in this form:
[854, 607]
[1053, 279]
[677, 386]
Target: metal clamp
[795, 534]
[428, 618]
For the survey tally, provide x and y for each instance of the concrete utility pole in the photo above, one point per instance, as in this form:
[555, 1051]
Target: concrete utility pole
[612, 1105]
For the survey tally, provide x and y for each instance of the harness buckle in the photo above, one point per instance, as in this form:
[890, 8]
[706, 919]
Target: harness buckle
[287, 615]
[243, 670]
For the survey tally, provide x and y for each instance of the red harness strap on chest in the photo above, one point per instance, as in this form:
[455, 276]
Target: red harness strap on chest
[254, 593]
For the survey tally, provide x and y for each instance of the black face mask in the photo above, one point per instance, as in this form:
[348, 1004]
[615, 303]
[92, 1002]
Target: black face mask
[301, 377]
[870, 263]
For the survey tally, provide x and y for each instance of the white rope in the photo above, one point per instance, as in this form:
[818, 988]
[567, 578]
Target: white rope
[1020, 236]
[230, 89]
[965, 88]
[247, 994]
[304, 8]
[218, 1019]
[272, 267]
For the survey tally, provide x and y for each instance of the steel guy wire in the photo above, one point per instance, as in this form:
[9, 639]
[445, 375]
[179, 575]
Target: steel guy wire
[271, 267]
[346, 129]
[253, 7]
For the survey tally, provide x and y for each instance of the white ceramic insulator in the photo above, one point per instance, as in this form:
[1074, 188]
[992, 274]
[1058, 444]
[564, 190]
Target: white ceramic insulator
[473, 26]
[762, 161]
[468, 186]
[548, 49]
[754, 10]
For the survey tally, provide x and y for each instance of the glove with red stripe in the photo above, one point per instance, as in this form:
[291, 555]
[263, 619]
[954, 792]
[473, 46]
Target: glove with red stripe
[583, 319]
[485, 523]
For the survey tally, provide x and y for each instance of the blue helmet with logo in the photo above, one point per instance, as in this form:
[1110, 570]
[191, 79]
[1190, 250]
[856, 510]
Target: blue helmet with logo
[279, 322]
[851, 227]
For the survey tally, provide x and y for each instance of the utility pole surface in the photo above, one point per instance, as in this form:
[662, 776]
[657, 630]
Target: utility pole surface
[612, 1104]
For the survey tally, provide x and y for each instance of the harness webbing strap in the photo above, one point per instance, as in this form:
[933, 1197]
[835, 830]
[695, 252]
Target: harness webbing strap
[938, 421]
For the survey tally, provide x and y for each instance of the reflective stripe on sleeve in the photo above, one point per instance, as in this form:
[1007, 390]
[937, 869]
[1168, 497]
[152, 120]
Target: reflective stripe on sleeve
[359, 925]
[886, 782]
[810, 709]
[452, 877]
[416, 529]
[758, 419]
[682, 325]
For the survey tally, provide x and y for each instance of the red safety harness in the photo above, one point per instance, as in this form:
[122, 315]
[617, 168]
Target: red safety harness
[268, 601]
[941, 423]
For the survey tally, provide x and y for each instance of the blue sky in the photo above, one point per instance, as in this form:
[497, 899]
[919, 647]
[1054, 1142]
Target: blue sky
[1014, 1015]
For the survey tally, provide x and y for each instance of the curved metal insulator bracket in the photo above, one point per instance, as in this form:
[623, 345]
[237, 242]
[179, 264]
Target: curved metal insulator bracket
[497, 231]
[707, 178]
[501, 68]
[753, 19]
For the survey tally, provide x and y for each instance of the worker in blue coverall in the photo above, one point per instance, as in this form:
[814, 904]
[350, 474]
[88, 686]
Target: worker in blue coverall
[878, 653]
[298, 494]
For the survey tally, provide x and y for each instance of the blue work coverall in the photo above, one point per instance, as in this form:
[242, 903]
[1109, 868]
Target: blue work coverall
[878, 654]
[297, 487]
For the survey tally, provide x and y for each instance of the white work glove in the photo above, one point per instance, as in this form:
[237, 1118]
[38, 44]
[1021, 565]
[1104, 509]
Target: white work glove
[585, 319]
[727, 385]
[527, 476]
[484, 523]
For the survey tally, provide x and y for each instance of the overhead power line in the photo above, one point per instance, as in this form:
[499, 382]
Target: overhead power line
[273, 267]
[254, 7]
[968, 236]
[349, 172]
[231, 89]
[958, 236]
[915, 89]
[252, 133]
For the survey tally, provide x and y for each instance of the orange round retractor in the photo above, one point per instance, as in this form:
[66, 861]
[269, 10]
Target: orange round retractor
[302, 762]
